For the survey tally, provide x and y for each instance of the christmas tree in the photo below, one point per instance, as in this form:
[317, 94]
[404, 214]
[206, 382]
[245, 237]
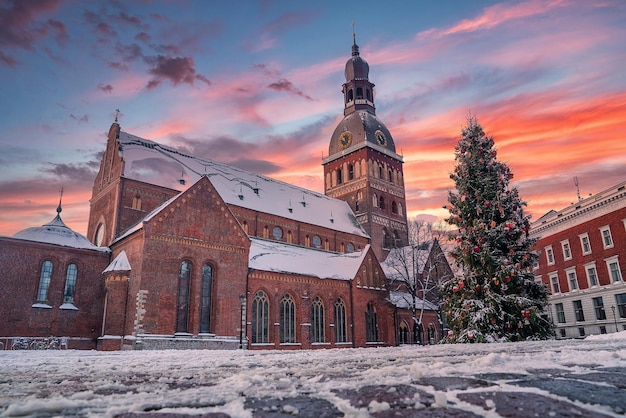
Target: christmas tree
[497, 298]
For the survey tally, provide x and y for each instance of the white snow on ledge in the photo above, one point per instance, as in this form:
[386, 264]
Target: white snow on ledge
[41, 305]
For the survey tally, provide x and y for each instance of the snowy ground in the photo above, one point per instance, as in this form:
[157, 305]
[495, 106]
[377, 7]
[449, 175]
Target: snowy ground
[550, 378]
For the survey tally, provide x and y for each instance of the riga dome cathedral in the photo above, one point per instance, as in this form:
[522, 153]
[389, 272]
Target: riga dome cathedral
[362, 167]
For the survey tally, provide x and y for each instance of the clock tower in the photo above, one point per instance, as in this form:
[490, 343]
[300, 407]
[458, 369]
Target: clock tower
[363, 167]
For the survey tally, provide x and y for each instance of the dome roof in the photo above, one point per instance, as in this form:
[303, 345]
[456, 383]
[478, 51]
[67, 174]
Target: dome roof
[356, 67]
[362, 126]
[56, 232]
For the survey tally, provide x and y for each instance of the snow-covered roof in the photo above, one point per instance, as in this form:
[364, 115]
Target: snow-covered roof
[404, 261]
[280, 257]
[404, 300]
[120, 263]
[56, 232]
[154, 163]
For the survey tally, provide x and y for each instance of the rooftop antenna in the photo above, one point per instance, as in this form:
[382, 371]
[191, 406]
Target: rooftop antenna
[577, 189]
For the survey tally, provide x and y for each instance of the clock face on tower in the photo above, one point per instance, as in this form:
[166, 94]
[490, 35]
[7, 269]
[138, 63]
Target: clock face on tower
[381, 138]
[345, 139]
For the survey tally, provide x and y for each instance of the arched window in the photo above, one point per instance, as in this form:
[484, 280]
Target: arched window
[326, 245]
[356, 206]
[182, 310]
[206, 298]
[400, 208]
[317, 321]
[394, 207]
[375, 200]
[341, 333]
[44, 281]
[371, 323]
[339, 176]
[359, 92]
[350, 172]
[289, 237]
[368, 92]
[266, 231]
[350, 95]
[287, 320]
[381, 202]
[432, 334]
[390, 175]
[403, 333]
[260, 318]
[245, 226]
[380, 171]
[137, 202]
[307, 241]
[70, 284]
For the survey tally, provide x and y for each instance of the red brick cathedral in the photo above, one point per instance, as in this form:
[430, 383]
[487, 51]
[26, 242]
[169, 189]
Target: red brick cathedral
[185, 252]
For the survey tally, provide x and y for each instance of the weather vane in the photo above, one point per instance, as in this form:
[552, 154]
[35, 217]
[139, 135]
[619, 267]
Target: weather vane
[353, 33]
[117, 113]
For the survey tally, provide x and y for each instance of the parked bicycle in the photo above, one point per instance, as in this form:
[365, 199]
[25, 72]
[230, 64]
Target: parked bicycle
[21, 343]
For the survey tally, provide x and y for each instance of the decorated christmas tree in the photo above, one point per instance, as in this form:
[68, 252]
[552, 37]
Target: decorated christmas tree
[497, 298]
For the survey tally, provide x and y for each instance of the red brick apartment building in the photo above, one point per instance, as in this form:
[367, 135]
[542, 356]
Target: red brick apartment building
[582, 262]
[185, 252]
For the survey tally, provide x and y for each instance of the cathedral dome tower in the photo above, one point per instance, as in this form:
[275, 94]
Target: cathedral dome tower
[363, 167]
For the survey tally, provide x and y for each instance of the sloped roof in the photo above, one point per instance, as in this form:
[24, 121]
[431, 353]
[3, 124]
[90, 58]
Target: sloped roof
[404, 261]
[120, 263]
[56, 232]
[275, 256]
[154, 163]
[404, 300]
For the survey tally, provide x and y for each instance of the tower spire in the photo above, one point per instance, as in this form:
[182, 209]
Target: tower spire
[59, 208]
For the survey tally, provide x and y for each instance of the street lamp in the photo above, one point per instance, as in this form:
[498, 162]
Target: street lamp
[614, 320]
[242, 300]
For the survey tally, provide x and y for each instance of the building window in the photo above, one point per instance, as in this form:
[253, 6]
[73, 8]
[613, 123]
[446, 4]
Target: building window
[260, 318]
[607, 239]
[572, 280]
[380, 172]
[612, 265]
[307, 241]
[245, 227]
[205, 298]
[317, 241]
[182, 311]
[350, 247]
[567, 252]
[339, 176]
[549, 255]
[578, 310]
[394, 207]
[400, 209]
[99, 235]
[341, 335]
[602, 329]
[560, 313]
[277, 232]
[289, 237]
[266, 232]
[287, 320]
[44, 281]
[70, 284]
[598, 306]
[562, 331]
[381, 202]
[403, 334]
[620, 300]
[585, 244]
[136, 202]
[592, 274]
[554, 280]
[581, 331]
[375, 200]
[350, 172]
[327, 245]
[317, 321]
[371, 323]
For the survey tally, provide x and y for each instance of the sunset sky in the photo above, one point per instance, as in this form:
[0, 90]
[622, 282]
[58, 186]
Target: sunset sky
[258, 84]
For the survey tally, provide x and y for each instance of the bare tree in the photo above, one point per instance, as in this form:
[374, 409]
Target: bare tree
[415, 272]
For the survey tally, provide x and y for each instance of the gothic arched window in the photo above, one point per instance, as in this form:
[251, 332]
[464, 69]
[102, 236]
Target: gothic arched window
[341, 333]
[317, 321]
[206, 298]
[394, 207]
[182, 310]
[287, 320]
[260, 318]
[371, 323]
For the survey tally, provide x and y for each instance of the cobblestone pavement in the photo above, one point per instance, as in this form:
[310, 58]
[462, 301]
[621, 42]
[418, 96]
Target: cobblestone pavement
[538, 379]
